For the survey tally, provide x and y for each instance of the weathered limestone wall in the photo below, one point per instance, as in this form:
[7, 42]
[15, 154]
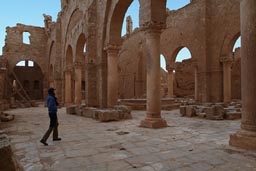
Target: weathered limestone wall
[77, 19]
[222, 25]
[188, 27]
[184, 82]
[132, 62]
[15, 50]
[206, 28]
[32, 84]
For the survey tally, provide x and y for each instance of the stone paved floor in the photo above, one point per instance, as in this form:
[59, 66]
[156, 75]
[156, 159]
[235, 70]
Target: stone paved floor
[189, 144]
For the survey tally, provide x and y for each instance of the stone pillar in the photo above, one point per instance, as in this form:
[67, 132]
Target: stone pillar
[51, 82]
[227, 63]
[246, 137]
[112, 93]
[78, 83]
[68, 84]
[153, 118]
[196, 83]
[170, 82]
[129, 25]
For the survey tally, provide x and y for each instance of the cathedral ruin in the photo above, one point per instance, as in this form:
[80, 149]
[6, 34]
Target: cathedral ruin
[83, 55]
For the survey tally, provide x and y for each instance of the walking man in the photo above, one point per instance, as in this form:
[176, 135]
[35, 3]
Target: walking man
[52, 105]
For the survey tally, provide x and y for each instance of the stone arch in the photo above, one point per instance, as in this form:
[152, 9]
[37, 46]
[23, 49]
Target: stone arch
[177, 71]
[233, 41]
[229, 42]
[69, 58]
[115, 22]
[81, 42]
[27, 58]
[31, 78]
[175, 53]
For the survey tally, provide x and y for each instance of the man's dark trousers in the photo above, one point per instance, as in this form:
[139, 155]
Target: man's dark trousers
[53, 127]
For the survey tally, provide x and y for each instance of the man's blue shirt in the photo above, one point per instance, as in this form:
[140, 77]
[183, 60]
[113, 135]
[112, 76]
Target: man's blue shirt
[51, 104]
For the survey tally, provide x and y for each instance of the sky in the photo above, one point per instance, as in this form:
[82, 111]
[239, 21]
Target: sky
[30, 12]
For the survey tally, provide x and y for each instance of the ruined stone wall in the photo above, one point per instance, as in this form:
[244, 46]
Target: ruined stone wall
[222, 25]
[184, 82]
[205, 27]
[191, 27]
[132, 71]
[15, 50]
[132, 56]
[33, 84]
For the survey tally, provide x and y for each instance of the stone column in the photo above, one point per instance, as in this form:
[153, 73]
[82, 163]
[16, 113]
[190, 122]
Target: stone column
[112, 93]
[196, 83]
[78, 83]
[153, 118]
[246, 137]
[68, 84]
[170, 82]
[227, 63]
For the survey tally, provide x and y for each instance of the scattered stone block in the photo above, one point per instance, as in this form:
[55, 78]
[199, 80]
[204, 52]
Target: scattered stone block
[5, 117]
[71, 109]
[201, 115]
[215, 112]
[233, 115]
[107, 115]
[183, 110]
[88, 112]
[190, 111]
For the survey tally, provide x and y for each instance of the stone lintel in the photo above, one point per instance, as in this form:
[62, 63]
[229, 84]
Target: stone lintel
[153, 123]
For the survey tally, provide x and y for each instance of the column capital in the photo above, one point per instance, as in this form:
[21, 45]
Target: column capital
[227, 58]
[112, 48]
[77, 64]
[68, 71]
[170, 67]
[153, 26]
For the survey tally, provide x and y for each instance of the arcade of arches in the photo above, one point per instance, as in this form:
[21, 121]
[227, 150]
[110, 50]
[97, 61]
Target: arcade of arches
[84, 56]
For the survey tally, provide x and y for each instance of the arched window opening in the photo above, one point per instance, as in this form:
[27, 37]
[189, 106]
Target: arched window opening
[131, 19]
[183, 54]
[171, 5]
[26, 38]
[184, 74]
[31, 63]
[237, 44]
[21, 64]
[163, 62]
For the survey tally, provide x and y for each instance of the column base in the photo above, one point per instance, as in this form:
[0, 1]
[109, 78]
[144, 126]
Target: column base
[153, 123]
[243, 139]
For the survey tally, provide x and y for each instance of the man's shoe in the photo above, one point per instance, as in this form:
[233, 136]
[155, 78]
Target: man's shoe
[56, 139]
[44, 142]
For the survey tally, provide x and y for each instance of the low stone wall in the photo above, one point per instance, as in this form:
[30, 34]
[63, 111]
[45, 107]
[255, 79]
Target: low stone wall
[213, 111]
[117, 113]
[141, 104]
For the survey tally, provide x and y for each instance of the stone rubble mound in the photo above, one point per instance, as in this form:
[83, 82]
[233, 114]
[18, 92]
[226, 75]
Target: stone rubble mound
[212, 111]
